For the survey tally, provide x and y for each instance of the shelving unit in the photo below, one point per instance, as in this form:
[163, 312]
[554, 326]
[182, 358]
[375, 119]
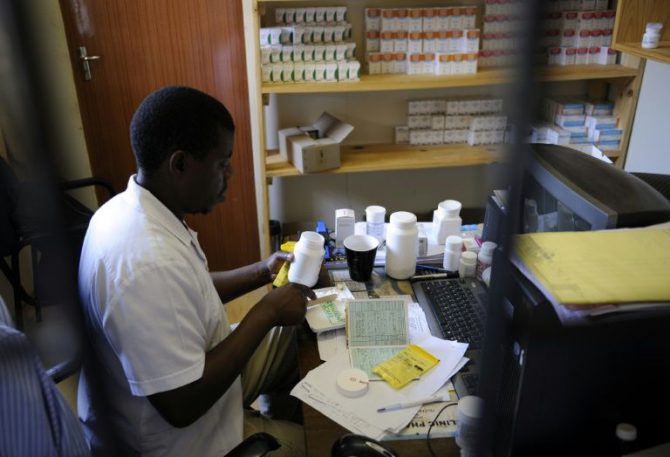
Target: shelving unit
[620, 82]
[631, 20]
[484, 77]
[388, 157]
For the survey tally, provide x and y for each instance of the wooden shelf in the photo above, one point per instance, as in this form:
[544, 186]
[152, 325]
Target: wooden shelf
[388, 157]
[613, 154]
[659, 54]
[484, 77]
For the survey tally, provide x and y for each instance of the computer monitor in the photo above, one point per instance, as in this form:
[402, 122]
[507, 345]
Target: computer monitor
[568, 190]
[561, 388]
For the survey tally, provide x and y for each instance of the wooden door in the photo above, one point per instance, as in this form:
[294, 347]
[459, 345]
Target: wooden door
[146, 44]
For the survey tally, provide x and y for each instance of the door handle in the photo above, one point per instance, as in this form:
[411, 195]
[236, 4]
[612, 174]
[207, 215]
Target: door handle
[85, 65]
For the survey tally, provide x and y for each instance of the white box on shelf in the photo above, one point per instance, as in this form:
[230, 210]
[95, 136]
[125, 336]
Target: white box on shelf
[591, 150]
[315, 147]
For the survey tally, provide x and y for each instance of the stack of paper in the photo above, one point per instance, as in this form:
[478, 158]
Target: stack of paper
[359, 415]
[584, 271]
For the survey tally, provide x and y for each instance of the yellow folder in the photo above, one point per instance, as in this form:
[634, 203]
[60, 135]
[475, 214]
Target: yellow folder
[585, 269]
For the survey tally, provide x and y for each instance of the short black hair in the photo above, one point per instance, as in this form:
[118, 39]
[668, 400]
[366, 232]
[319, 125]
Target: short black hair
[177, 118]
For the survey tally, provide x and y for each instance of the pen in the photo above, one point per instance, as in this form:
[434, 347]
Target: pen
[409, 404]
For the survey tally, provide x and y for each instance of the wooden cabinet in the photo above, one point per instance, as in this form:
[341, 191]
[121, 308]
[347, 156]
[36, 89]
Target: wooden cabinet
[365, 154]
[631, 21]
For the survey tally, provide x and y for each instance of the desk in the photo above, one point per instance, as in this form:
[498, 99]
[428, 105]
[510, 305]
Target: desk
[320, 431]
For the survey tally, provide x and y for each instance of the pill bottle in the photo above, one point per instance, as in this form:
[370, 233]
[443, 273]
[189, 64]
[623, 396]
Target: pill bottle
[652, 35]
[453, 246]
[402, 243]
[485, 257]
[374, 221]
[626, 434]
[467, 265]
[308, 256]
[468, 423]
[446, 220]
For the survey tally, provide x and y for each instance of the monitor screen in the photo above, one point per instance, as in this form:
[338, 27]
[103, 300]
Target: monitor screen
[567, 190]
[544, 212]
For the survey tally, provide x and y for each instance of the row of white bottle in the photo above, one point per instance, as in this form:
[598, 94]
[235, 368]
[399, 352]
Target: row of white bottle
[402, 242]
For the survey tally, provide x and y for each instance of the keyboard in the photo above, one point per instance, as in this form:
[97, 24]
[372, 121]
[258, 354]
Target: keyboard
[455, 310]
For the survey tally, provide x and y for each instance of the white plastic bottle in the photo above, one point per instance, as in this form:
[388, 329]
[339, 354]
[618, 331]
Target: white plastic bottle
[402, 243]
[374, 221]
[485, 257]
[446, 220]
[308, 253]
[652, 35]
[468, 265]
[453, 247]
[468, 423]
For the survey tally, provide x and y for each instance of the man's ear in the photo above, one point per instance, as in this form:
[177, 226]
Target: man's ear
[177, 162]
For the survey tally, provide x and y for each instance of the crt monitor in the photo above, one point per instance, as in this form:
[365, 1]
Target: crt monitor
[568, 190]
[562, 387]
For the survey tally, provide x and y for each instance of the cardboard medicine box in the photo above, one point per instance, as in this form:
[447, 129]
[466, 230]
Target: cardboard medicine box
[315, 147]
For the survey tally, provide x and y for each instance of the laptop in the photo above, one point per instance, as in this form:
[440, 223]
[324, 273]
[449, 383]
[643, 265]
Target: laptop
[455, 310]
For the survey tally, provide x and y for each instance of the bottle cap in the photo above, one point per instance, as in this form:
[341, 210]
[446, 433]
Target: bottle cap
[403, 219]
[352, 382]
[312, 240]
[654, 27]
[454, 243]
[469, 258]
[488, 247]
[451, 207]
[470, 407]
[375, 213]
[626, 432]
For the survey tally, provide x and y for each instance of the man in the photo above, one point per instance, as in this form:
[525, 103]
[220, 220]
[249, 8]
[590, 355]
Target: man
[169, 365]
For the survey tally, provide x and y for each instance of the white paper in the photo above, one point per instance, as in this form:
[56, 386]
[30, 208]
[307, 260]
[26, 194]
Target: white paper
[418, 324]
[331, 343]
[359, 415]
[450, 354]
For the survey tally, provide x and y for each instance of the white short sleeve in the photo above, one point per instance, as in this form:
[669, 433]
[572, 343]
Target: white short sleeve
[157, 328]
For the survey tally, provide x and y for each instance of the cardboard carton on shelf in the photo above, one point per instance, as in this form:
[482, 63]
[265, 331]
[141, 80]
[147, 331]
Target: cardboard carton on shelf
[314, 147]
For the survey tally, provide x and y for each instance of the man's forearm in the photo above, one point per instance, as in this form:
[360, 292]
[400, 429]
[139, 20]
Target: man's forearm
[223, 364]
[234, 283]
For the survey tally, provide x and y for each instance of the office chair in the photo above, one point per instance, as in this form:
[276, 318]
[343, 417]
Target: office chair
[25, 222]
[658, 181]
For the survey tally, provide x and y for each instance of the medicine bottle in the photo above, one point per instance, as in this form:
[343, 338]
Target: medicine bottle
[652, 35]
[446, 220]
[485, 257]
[374, 221]
[468, 425]
[402, 243]
[452, 252]
[467, 265]
[308, 256]
[626, 434]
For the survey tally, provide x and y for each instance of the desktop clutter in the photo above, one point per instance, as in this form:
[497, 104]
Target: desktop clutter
[384, 376]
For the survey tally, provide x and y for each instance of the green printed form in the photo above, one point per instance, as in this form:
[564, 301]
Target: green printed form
[377, 329]
[331, 312]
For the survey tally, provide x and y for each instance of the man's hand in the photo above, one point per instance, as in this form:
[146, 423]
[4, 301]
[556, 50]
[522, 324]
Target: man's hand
[275, 261]
[287, 304]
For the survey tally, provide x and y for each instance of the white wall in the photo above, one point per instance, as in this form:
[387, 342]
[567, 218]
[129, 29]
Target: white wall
[649, 148]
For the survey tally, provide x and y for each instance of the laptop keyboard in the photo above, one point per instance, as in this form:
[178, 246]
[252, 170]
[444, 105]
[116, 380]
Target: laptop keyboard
[455, 311]
[458, 312]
